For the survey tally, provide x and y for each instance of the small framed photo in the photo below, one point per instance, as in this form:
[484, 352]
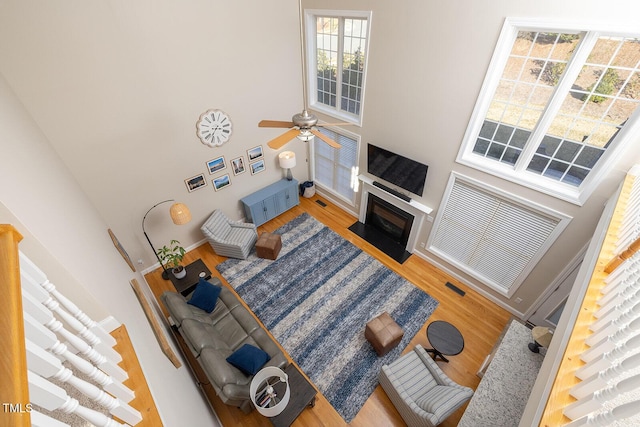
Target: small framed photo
[221, 182]
[195, 182]
[237, 165]
[257, 167]
[255, 153]
[216, 165]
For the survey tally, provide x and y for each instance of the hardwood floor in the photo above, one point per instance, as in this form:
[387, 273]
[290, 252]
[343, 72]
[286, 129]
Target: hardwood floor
[479, 320]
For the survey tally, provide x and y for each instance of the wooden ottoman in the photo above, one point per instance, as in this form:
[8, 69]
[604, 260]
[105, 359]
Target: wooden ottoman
[268, 246]
[383, 333]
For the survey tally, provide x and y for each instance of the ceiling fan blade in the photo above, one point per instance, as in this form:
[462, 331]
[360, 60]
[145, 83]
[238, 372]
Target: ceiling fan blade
[275, 124]
[335, 124]
[278, 142]
[325, 138]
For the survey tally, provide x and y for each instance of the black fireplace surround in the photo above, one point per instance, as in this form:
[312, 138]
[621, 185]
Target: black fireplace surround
[387, 227]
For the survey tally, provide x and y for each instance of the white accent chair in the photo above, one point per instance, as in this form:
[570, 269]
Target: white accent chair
[228, 238]
[421, 392]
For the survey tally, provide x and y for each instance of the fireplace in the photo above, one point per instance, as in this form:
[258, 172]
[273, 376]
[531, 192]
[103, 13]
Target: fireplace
[389, 219]
[390, 223]
[386, 226]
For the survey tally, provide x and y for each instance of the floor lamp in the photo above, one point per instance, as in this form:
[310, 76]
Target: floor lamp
[180, 214]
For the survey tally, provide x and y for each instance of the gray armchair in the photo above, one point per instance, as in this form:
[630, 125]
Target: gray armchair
[229, 238]
[420, 391]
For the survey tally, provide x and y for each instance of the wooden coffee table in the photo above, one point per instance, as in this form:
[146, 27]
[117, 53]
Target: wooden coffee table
[303, 394]
[445, 339]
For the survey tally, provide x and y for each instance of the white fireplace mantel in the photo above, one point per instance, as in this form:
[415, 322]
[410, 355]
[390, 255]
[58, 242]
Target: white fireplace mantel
[418, 210]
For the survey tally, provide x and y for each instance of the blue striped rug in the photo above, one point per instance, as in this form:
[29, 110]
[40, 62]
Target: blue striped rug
[316, 299]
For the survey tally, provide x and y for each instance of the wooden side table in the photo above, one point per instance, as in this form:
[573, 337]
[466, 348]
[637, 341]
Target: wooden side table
[188, 283]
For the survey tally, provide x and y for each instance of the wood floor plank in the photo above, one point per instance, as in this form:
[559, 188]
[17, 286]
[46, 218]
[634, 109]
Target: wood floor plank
[479, 320]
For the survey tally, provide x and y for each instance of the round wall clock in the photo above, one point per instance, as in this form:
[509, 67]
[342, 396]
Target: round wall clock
[214, 128]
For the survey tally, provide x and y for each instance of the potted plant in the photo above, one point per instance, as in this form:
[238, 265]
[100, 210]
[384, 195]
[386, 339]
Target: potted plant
[171, 256]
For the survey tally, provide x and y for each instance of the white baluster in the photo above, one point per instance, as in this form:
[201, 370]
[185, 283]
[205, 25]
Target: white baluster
[600, 379]
[44, 315]
[612, 311]
[91, 324]
[611, 341]
[607, 359]
[625, 285]
[51, 397]
[594, 402]
[614, 325]
[41, 420]
[40, 293]
[46, 339]
[46, 365]
[628, 267]
[605, 419]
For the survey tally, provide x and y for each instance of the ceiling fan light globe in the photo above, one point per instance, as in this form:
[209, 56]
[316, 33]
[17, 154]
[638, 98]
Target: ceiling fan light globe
[305, 135]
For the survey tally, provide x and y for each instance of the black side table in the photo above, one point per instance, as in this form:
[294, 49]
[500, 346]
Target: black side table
[302, 395]
[187, 284]
[445, 339]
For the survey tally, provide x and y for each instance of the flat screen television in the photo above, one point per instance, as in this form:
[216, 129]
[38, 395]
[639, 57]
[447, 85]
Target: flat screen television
[396, 169]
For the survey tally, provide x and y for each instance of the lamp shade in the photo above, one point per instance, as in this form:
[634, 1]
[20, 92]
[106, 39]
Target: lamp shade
[287, 159]
[180, 213]
[270, 391]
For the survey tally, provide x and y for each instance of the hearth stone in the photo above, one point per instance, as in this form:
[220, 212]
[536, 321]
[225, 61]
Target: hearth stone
[381, 241]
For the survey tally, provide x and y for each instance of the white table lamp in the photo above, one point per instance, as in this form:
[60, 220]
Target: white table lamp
[263, 395]
[287, 160]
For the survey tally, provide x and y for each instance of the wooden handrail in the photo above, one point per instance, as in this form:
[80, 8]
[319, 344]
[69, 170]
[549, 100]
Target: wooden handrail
[626, 254]
[565, 379]
[14, 388]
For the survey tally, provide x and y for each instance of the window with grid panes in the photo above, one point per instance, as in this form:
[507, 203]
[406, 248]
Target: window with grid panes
[555, 106]
[337, 169]
[337, 49]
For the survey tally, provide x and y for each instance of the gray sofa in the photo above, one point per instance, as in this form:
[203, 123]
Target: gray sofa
[212, 337]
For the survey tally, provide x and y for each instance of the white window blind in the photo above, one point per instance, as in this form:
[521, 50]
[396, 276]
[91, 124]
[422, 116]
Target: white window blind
[494, 237]
[336, 169]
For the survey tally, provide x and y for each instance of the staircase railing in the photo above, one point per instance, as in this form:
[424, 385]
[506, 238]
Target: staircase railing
[595, 382]
[36, 344]
[14, 388]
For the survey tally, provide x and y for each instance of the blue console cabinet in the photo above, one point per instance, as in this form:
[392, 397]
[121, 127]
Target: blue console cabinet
[271, 201]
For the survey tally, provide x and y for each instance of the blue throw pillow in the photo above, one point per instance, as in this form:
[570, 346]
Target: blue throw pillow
[205, 296]
[249, 359]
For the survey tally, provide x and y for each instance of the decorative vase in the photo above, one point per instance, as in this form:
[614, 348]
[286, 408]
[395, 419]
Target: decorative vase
[179, 272]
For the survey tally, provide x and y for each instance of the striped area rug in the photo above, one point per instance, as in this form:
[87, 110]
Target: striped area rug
[316, 299]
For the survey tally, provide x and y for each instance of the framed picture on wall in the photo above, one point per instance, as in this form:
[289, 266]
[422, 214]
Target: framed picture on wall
[237, 165]
[195, 182]
[255, 153]
[257, 167]
[221, 182]
[216, 165]
[120, 249]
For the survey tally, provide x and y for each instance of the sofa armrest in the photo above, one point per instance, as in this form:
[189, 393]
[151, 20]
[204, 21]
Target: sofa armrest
[240, 224]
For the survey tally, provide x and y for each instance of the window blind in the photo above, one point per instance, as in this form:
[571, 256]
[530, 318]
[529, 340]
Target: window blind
[494, 237]
[334, 168]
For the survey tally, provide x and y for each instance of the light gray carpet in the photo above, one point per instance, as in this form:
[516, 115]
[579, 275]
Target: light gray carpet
[316, 299]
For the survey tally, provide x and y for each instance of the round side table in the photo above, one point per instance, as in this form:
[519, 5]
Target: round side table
[445, 339]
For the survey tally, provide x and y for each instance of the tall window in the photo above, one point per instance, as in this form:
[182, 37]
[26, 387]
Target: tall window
[337, 48]
[337, 169]
[493, 236]
[555, 105]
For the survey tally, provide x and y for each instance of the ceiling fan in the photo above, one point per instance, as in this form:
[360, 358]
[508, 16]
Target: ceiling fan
[304, 124]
